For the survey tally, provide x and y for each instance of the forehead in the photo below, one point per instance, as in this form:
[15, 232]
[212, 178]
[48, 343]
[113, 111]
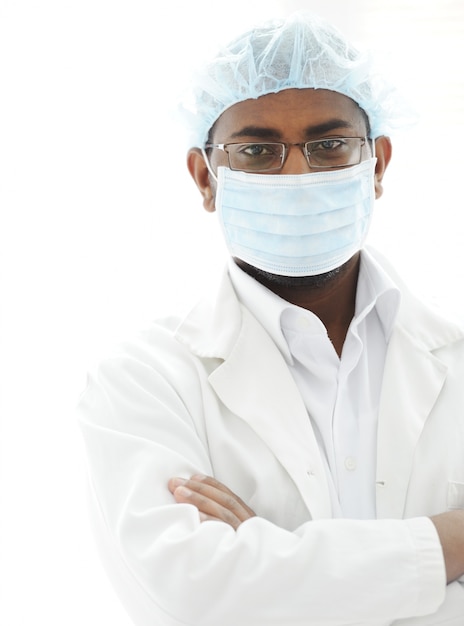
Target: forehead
[292, 114]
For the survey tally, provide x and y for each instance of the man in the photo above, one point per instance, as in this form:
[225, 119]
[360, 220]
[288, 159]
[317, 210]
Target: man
[292, 451]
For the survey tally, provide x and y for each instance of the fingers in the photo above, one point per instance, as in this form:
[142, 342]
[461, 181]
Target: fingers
[228, 497]
[213, 499]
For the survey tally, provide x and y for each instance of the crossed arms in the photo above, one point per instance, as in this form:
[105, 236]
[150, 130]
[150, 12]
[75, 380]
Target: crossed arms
[215, 501]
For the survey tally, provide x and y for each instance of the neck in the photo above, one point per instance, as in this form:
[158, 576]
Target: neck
[331, 296]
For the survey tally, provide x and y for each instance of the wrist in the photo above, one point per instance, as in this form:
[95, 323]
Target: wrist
[450, 529]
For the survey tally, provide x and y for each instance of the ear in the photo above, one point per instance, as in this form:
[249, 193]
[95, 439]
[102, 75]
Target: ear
[383, 152]
[199, 172]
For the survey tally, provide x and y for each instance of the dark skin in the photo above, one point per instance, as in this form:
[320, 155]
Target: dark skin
[293, 116]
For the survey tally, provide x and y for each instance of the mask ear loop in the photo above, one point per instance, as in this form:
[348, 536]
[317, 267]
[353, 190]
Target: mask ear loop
[208, 164]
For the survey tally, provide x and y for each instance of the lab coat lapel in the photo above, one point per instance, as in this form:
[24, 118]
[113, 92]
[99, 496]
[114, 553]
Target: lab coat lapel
[413, 379]
[255, 383]
[253, 380]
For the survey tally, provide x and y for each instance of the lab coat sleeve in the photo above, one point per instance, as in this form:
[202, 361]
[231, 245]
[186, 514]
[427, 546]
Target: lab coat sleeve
[170, 569]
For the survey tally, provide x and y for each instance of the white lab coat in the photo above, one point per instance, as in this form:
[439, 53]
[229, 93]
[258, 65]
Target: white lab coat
[214, 395]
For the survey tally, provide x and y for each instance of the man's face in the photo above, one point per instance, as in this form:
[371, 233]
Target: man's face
[291, 116]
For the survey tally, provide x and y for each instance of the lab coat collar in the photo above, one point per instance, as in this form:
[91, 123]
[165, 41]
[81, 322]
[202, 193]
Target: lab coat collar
[425, 327]
[213, 325]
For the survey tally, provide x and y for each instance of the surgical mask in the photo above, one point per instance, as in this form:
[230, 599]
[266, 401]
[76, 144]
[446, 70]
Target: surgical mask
[296, 225]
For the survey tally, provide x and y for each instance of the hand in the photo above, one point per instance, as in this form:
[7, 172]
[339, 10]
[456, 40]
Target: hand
[213, 499]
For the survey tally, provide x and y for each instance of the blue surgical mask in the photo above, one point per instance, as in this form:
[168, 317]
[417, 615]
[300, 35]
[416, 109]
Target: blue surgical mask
[296, 225]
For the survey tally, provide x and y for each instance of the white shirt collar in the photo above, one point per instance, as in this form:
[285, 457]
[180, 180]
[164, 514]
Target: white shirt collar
[375, 290]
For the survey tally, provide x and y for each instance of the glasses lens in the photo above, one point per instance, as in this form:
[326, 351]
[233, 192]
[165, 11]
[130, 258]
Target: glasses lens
[255, 157]
[334, 152]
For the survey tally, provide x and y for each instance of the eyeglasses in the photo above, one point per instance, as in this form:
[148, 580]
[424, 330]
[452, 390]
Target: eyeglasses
[325, 153]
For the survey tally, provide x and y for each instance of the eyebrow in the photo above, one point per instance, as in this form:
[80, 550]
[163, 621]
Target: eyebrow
[310, 131]
[325, 127]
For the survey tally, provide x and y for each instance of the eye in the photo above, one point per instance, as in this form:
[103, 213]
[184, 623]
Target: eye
[255, 157]
[334, 151]
[327, 144]
[258, 149]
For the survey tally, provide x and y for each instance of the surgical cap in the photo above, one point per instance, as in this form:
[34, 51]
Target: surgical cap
[301, 51]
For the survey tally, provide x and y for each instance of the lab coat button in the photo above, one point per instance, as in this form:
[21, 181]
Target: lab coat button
[350, 463]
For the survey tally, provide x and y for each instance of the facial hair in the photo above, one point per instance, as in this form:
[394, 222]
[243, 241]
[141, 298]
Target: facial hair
[291, 282]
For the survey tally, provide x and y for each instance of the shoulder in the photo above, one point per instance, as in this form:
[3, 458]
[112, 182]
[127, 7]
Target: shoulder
[172, 357]
[425, 324]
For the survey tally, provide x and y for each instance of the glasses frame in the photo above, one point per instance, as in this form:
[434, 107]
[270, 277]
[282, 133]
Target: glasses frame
[286, 149]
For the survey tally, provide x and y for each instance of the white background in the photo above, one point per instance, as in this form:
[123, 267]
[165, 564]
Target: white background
[101, 230]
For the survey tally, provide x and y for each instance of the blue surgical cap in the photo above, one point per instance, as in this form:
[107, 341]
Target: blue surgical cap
[300, 51]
